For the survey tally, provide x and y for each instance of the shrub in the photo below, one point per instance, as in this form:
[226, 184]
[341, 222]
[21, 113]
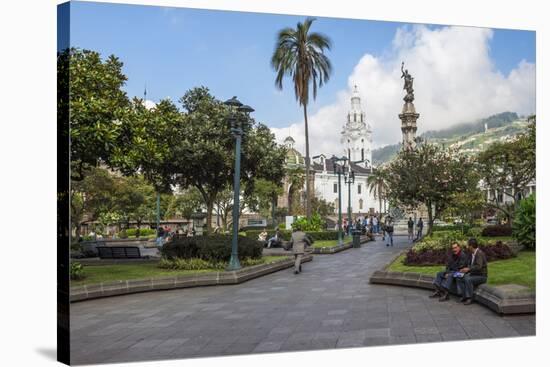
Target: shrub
[190, 264]
[315, 235]
[452, 227]
[524, 227]
[497, 231]
[213, 248]
[143, 232]
[76, 271]
[315, 223]
[437, 255]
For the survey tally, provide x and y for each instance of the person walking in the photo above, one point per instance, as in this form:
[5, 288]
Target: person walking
[375, 224]
[299, 241]
[410, 227]
[420, 226]
[389, 231]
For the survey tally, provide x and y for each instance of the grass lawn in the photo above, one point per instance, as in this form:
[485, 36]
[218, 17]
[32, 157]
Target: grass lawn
[111, 273]
[326, 243]
[517, 270]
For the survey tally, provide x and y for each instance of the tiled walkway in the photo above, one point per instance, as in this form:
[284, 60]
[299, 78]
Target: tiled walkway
[330, 305]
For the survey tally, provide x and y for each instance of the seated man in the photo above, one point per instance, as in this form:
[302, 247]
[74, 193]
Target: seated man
[444, 280]
[275, 239]
[475, 273]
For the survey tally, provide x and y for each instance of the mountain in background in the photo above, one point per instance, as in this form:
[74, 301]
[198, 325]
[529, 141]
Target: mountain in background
[471, 137]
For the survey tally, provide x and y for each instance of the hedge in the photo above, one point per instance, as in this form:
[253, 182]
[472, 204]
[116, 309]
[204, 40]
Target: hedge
[213, 248]
[497, 231]
[316, 236]
[439, 256]
[452, 227]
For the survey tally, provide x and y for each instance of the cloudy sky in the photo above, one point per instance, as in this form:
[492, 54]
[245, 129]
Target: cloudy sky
[461, 73]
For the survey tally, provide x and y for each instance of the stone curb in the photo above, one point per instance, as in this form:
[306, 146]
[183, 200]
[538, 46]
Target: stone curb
[118, 288]
[335, 249]
[504, 299]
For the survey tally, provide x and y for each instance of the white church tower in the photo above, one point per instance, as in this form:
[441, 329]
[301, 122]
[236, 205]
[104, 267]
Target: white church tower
[357, 134]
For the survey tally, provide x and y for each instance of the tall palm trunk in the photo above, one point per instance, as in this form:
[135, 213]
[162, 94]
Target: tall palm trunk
[308, 189]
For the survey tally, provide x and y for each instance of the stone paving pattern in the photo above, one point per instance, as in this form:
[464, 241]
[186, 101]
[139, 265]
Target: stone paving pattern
[330, 305]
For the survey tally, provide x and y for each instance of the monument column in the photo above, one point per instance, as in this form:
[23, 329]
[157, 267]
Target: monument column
[408, 116]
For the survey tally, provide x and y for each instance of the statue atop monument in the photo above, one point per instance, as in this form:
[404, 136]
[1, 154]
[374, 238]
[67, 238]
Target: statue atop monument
[408, 86]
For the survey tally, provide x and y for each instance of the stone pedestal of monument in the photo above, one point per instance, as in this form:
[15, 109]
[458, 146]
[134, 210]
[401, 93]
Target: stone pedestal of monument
[408, 119]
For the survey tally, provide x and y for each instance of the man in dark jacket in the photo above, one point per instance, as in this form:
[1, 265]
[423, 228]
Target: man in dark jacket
[444, 280]
[475, 272]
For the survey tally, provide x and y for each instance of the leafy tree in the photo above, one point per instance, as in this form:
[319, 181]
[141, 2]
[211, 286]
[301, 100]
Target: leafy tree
[322, 207]
[97, 105]
[377, 185]
[524, 227]
[91, 196]
[203, 155]
[183, 204]
[508, 168]
[429, 175]
[299, 54]
[468, 206]
[296, 180]
[135, 200]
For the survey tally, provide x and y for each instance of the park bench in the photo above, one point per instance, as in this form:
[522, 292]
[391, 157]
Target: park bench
[118, 252]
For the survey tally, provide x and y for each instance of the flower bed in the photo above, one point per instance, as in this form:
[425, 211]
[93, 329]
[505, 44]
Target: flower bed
[435, 250]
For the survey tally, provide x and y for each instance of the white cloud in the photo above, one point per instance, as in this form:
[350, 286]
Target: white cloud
[149, 104]
[454, 81]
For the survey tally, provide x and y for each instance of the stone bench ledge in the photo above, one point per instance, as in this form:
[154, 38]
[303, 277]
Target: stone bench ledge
[504, 299]
[122, 287]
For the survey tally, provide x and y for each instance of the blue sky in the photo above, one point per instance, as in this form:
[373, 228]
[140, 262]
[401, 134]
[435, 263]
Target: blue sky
[173, 49]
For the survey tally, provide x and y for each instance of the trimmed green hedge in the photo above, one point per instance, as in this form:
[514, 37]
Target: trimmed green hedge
[213, 248]
[316, 236]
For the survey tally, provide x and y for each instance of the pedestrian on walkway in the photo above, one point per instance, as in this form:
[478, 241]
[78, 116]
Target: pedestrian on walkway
[410, 227]
[389, 231]
[420, 227]
[299, 241]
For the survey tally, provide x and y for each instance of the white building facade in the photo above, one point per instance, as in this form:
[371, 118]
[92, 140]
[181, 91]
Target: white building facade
[356, 141]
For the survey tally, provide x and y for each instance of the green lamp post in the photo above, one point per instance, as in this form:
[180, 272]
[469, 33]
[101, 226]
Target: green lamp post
[339, 170]
[238, 113]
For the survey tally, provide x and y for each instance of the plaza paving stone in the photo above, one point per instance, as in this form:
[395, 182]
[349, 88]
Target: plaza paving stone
[330, 305]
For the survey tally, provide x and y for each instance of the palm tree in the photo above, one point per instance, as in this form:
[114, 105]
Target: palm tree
[377, 186]
[300, 55]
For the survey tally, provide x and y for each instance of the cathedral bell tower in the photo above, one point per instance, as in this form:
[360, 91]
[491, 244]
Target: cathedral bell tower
[356, 136]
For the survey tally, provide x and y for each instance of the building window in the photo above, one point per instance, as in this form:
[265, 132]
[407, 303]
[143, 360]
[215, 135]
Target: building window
[500, 198]
[349, 154]
[362, 154]
[358, 189]
[336, 204]
[360, 203]
[335, 186]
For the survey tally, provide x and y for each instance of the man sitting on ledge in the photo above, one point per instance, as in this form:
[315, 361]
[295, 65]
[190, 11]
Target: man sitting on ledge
[475, 273]
[444, 280]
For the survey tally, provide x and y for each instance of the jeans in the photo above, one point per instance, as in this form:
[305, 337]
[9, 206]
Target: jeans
[467, 283]
[389, 236]
[419, 235]
[441, 282]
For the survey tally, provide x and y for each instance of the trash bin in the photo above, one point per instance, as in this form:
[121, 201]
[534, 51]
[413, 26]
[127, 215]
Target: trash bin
[356, 238]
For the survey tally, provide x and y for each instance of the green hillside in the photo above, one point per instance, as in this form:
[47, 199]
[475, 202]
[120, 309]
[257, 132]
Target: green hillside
[471, 137]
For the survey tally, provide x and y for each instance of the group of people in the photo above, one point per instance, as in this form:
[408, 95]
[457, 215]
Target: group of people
[419, 229]
[463, 272]
[275, 240]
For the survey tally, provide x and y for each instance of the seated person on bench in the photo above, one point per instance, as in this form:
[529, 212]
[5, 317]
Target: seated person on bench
[275, 239]
[475, 273]
[445, 280]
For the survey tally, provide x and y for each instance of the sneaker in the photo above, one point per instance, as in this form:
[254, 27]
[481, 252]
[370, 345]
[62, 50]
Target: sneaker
[468, 302]
[387, 245]
[295, 271]
[435, 294]
[444, 297]
[461, 300]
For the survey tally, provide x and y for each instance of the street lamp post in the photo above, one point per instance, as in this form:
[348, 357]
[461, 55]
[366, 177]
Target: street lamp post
[349, 179]
[339, 170]
[238, 112]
